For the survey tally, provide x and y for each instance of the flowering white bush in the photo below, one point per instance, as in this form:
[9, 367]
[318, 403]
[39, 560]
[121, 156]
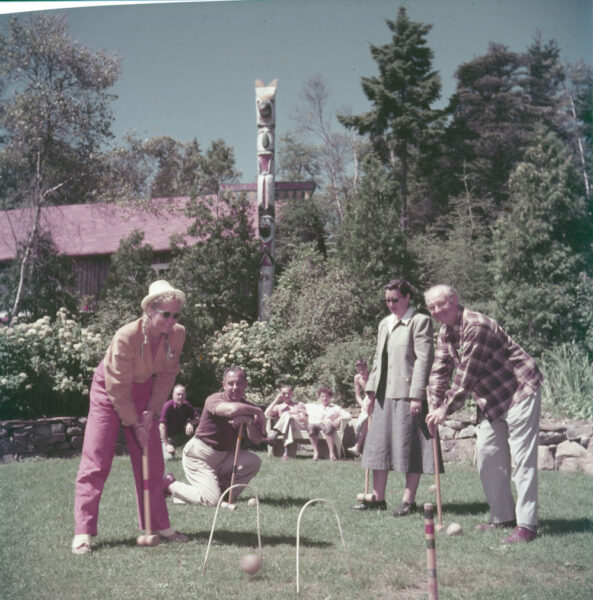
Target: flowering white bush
[46, 366]
[250, 347]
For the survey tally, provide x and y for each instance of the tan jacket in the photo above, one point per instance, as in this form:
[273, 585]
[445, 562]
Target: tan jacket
[409, 354]
[128, 360]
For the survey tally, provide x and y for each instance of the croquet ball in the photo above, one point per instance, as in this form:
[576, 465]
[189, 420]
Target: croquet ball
[250, 563]
[252, 502]
[454, 529]
[433, 488]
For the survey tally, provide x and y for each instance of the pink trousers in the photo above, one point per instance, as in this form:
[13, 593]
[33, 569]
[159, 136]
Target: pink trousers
[102, 430]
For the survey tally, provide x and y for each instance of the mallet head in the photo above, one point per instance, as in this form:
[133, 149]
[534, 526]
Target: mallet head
[148, 540]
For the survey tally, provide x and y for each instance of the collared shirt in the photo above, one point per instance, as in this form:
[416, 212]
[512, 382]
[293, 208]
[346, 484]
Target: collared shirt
[218, 432]
[176, 417]
[393, 321]
[294, 408]
[318, 413]
[485, 362]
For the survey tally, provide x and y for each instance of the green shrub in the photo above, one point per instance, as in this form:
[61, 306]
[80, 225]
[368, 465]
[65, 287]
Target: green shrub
[47, 367]
[568, 385]
[336, 367]
[250, 347]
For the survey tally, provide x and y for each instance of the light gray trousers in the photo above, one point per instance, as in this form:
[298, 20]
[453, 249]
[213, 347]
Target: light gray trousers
[209, 472]
[507, 449]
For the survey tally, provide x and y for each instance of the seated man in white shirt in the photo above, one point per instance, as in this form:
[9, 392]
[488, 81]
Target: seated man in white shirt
[326, 417]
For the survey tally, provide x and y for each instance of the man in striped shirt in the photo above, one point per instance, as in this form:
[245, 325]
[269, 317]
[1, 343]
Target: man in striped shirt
[475, 356]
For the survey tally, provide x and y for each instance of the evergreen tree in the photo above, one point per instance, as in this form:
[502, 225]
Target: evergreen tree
[543, 249]
[370, 243]
[490, 122]
[457, 249]
[401, 96]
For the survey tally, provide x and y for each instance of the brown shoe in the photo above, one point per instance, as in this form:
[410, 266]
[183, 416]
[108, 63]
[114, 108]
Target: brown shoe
[520, 534]
[488, 526]
[403, 509]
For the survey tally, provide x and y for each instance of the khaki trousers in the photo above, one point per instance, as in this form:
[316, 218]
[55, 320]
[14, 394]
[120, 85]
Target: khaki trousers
[507, 449]
[209, 473]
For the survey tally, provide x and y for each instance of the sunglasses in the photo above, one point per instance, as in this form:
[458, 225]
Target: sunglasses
[167, 313]
[392, 300]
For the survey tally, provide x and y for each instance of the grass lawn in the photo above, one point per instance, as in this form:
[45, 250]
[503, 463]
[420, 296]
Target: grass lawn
[388, 556]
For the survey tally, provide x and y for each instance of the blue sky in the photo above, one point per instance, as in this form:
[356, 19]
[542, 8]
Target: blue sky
[189, 67]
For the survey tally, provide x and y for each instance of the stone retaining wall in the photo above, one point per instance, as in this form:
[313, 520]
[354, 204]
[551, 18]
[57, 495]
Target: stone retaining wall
[45, 438]
[564, 445]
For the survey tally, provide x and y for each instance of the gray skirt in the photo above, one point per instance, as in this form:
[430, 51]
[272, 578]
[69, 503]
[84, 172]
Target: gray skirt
[398, 441]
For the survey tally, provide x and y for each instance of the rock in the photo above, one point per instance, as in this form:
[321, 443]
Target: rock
[446, 433]
[571, 457]
[454, 424]
[458, 450]
[548, 438]
[545, 458]
[579, 431]
[467, 432]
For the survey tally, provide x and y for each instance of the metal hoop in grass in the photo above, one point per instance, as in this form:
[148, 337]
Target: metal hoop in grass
[227, 491]
[299, 537]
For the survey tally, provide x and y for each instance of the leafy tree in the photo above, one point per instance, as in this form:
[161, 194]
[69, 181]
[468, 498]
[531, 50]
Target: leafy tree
[543, 249]
[315, 304]
[185, 170]
[334, 150]
[127, 282]
[297, 160]
[299, 222]
[219, 274]
[401, 96]
[52, 281]
[53, 122]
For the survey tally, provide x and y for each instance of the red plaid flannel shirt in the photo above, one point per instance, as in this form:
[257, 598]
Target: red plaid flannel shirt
[483, 361]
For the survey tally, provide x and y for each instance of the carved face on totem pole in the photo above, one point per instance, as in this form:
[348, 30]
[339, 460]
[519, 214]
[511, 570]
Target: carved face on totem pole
[265, 103]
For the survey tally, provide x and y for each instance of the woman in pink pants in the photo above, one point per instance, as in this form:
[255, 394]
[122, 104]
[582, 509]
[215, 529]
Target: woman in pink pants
[129, 387]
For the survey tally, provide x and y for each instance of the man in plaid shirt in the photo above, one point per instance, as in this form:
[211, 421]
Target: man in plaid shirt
[475, 356]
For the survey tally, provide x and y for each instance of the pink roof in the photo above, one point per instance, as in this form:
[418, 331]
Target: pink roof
[95, 229]
[91, 229]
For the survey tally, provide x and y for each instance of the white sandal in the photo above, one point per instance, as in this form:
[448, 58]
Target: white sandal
[81, 544]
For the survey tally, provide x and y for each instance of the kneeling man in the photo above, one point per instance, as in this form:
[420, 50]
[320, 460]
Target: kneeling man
[208, 457]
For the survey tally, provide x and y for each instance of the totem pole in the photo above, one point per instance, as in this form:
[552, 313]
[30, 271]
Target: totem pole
[266, 190]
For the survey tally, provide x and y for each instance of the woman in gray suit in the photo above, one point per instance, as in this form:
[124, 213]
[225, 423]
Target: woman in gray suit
[398, 438]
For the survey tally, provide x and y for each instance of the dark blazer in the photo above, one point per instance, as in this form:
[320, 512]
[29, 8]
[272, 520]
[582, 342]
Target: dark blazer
[403, 358]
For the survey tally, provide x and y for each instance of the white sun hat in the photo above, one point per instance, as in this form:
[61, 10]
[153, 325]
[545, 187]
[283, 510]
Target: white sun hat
[160, 288]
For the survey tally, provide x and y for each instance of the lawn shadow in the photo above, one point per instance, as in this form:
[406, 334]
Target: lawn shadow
[465, 508]
[283, 501]
[561, 526]
[224, 538]
[249, 539]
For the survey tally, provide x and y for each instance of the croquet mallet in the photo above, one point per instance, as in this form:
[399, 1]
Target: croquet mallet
[366, 497]
[435, 451]
[230, 504]
[148, 538]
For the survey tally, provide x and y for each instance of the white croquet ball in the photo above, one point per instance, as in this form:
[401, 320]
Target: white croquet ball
[433, 488]
[250, 563]
[454, 529]
[252, 502]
